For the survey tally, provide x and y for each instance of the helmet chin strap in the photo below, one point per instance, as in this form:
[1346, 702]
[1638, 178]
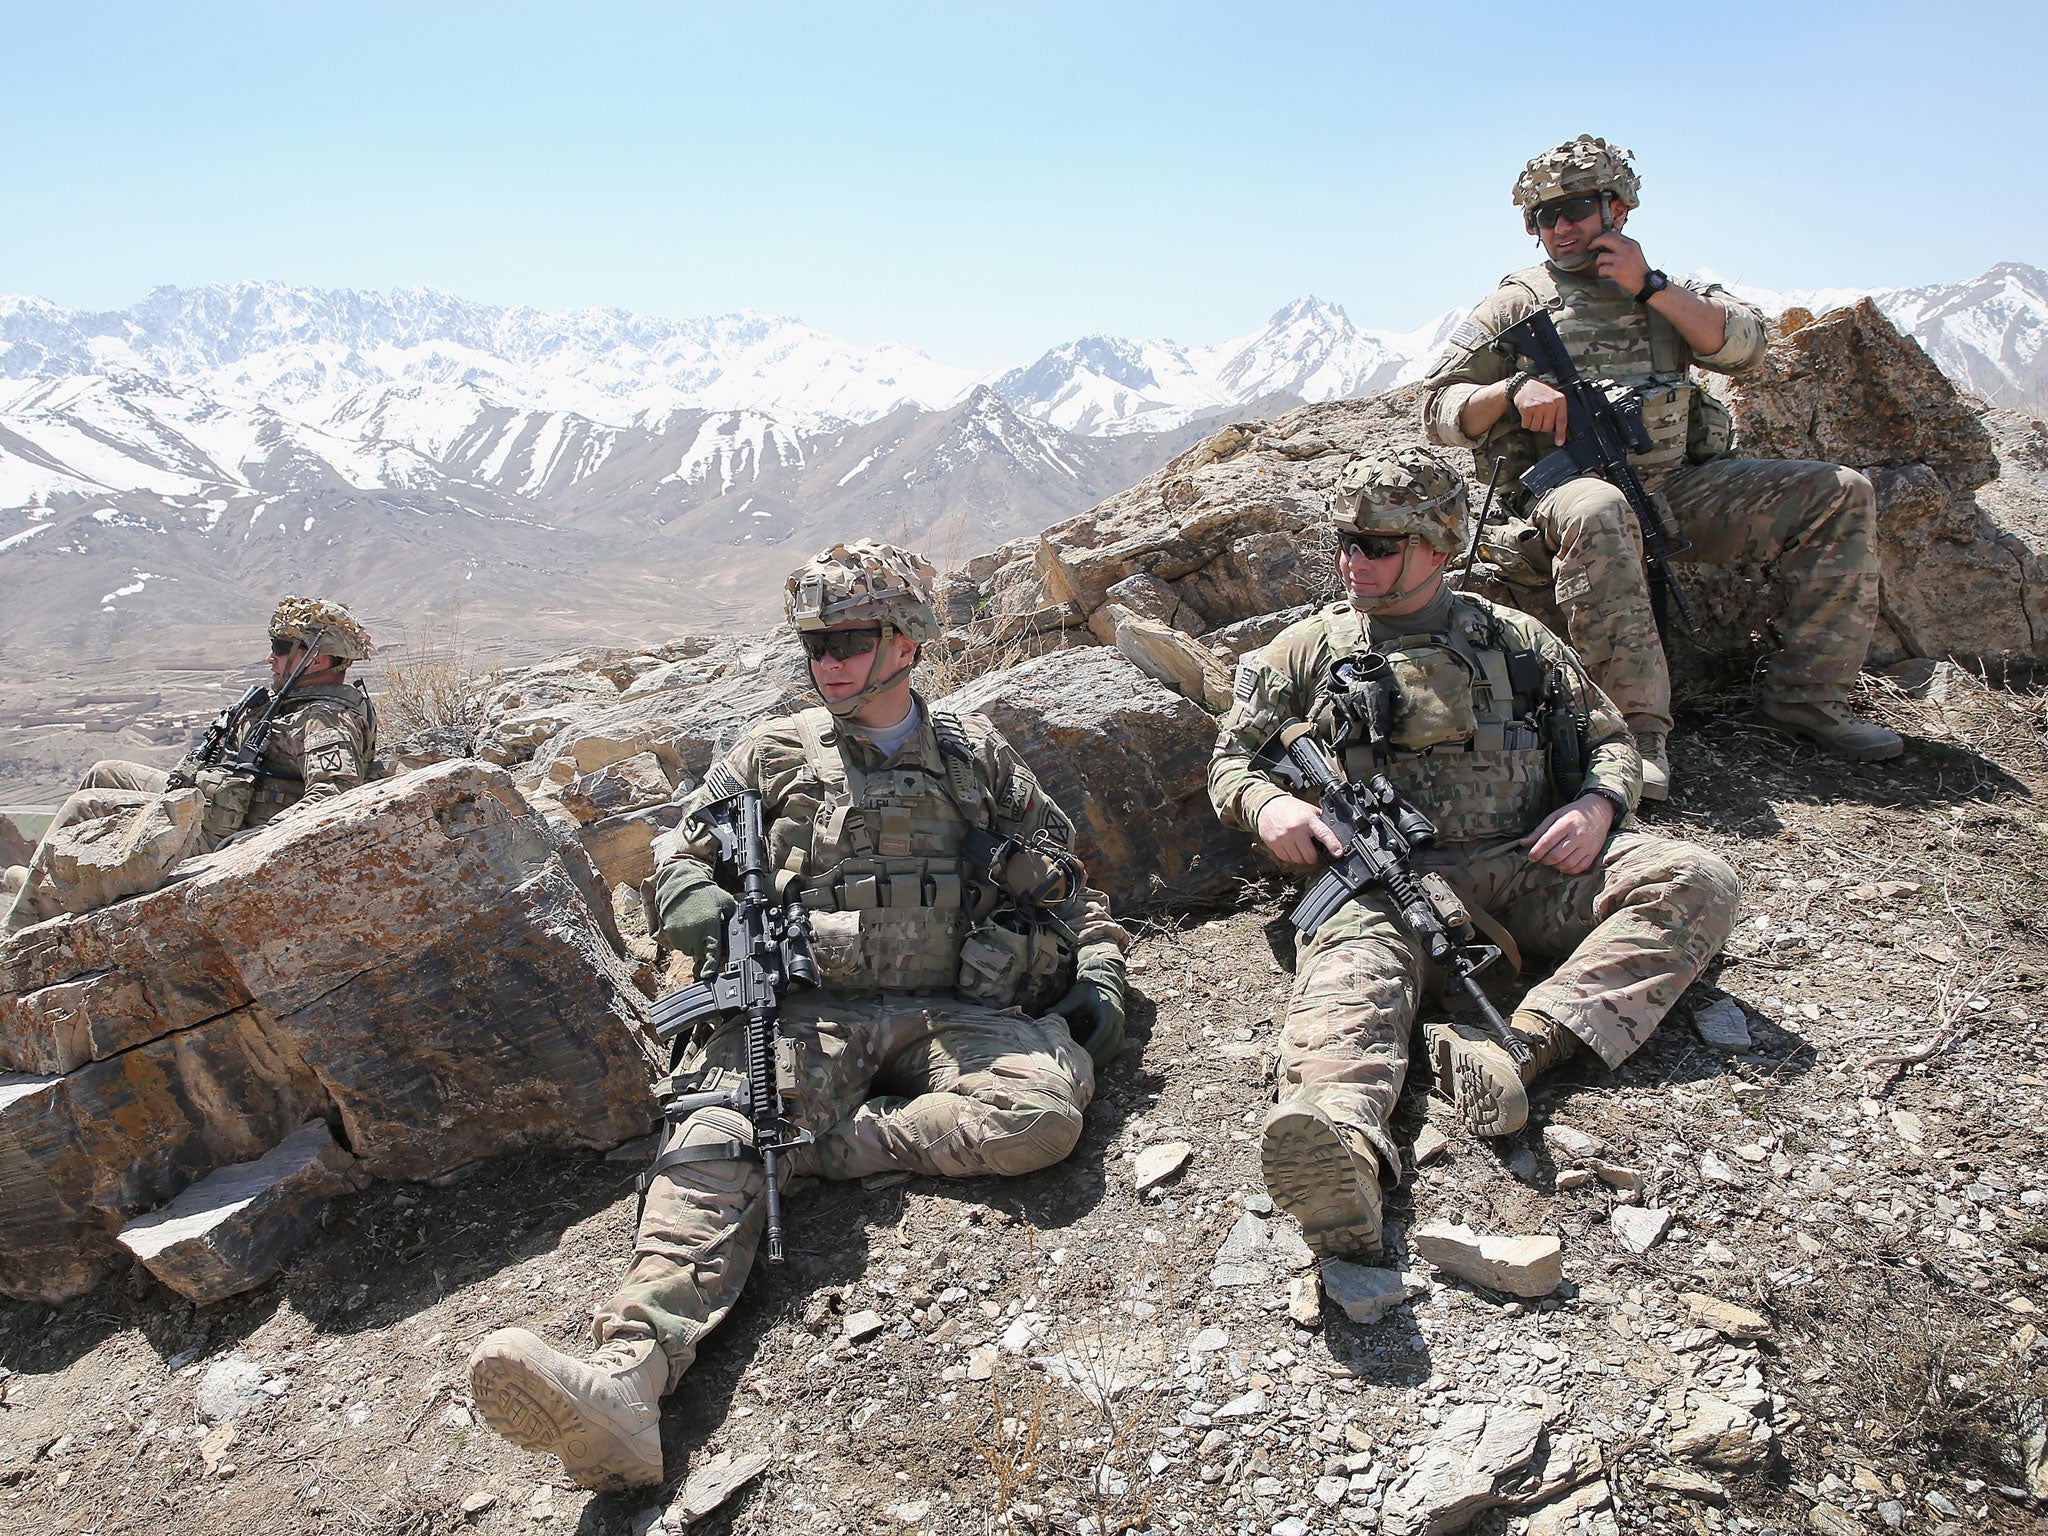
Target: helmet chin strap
[1400, 593]
[846, 707]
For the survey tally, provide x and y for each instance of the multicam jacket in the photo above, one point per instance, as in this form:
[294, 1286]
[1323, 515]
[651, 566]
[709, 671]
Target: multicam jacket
[321, 743]
[1610, 336]
[1483, 776]
[876, 847]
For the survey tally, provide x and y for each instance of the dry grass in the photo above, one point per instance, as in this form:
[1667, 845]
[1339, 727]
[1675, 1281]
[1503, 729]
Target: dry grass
[432, 684]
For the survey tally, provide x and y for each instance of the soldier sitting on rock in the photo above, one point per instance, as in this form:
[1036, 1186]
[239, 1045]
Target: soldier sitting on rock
[322, 736]
[1623, 321]
[1482, 732]
[937, 1044]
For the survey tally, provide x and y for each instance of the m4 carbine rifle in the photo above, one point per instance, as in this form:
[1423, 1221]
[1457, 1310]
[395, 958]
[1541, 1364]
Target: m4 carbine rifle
[1379, 830]
[206, 752]
[1600, 433]
[767, 951]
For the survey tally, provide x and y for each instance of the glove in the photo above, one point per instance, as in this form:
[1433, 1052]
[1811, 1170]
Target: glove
[1094, 1005]
[693, 911]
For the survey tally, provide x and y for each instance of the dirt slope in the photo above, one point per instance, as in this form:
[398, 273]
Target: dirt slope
[1888, 1217]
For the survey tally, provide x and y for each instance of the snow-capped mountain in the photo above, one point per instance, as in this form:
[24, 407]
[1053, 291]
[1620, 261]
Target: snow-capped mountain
[1989, 334]
[1309, 350]
[298, 349]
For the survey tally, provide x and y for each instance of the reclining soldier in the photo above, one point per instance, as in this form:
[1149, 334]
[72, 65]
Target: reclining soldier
[323, 735]
[938, 1042]
[1622, 320]
[1545, 867]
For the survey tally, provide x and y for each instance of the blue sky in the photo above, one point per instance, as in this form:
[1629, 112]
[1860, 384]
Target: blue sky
[986, 180]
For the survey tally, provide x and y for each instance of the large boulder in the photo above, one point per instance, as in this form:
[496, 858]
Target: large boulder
[422, 962]
[1128, 760]
[1962, 493]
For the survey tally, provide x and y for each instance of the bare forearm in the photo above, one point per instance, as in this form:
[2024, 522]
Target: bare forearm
[1483, 408]
[1702, 322]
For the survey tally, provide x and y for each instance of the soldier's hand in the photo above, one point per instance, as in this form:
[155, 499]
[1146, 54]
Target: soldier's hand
[1292, 829]
[694, 911]
[1543, 409]
[1622, 262]
[1570, 838]
[1094, 1005]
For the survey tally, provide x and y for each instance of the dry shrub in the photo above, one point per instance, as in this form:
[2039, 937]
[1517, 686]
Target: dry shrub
[989, 644]
[431, 685]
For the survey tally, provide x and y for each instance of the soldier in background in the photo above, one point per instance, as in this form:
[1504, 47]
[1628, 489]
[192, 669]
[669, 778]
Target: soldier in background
[1621, 319]
[1549, 868]
[937, 1044]
[323, 737]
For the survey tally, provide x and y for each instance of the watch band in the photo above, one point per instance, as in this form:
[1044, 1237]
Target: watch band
[1654, 283]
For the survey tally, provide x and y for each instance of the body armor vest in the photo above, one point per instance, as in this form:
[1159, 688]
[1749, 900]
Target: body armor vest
[1611, 336]
[1464, 745]
[878, 861]
[283, 785]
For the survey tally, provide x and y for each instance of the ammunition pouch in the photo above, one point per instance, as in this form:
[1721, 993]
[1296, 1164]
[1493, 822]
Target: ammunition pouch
[1432, 698]
[228, 795]
[1517, 553]
[1709, 431]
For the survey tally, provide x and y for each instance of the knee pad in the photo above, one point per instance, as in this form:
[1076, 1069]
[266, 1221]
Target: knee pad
[1029, 1138]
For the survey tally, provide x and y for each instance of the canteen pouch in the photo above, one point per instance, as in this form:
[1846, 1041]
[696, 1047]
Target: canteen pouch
[228, 795]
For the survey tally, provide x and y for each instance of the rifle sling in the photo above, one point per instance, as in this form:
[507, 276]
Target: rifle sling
[1484, 921]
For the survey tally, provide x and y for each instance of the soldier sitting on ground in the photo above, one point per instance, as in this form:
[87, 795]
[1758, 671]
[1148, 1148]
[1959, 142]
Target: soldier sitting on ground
[323, 735]
[938, 1042]
[1547, 867]
[1622, 320]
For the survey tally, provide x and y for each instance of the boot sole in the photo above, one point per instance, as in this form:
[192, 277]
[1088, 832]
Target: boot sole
[1487, 1094]
[531, 1409]
[1310, 1175]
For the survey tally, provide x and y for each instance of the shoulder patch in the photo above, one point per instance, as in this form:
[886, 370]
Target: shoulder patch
[1247, 679]
[720, 782]
[1465, 338]
[1019, 795]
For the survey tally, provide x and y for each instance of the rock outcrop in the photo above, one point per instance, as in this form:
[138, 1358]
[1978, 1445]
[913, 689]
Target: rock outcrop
[1127, 758]
[423, 963]
[1962, 493]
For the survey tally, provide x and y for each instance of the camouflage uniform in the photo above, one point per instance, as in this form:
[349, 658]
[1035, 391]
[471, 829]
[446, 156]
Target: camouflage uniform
[322, 741]
[1629, 935]
[1814, 523]
[913, 1056]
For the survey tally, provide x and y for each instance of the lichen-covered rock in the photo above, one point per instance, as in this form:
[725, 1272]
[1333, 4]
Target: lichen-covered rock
[423, 960]
[1128, 759]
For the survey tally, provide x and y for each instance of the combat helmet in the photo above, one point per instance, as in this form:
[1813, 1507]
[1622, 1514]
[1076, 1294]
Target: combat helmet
[1401, 492]
[1586, 164]
[321, 626]
[865, 582]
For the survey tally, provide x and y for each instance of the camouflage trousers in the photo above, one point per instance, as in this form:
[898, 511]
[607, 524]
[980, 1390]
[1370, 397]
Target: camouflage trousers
[1628, 936]
[1814, 524]
[108, 786]
[923, 1083]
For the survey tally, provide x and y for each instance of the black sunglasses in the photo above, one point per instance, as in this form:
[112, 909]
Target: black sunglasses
[283, 647]
[1569, 209]
[1374, 546]
[840, 643]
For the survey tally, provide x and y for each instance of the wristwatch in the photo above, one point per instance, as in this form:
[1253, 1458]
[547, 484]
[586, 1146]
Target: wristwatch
[1654, 283]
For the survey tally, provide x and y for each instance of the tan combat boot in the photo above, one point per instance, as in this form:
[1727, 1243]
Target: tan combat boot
[1834, 728]
[602, 1418]
[1489, 1090]
[1325, 1175]
[1652, 745]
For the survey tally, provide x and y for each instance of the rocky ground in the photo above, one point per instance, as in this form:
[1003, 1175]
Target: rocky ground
[1802, 1276]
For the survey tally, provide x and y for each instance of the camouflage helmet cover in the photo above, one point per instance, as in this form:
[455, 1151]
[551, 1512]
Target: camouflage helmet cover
[1586, 164]
[1392, 493]
[865, 582]
[323, 627]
